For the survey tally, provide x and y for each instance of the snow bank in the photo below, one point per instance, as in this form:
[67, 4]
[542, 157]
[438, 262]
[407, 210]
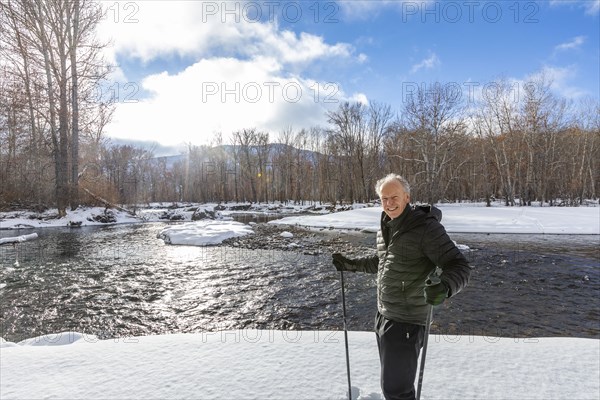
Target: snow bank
[261, 364]
[204, 232]
[463, 218]
[58, 339]
[548, 220]
[19, 239]
[83, 216]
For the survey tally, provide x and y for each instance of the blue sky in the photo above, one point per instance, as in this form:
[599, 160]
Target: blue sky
[194, 68]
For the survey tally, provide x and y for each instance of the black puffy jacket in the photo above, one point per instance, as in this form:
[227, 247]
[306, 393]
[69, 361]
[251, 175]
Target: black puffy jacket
[409, 248]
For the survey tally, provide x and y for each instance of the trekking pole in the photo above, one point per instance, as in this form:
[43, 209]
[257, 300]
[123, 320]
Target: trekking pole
[425, 340]
[346, 337]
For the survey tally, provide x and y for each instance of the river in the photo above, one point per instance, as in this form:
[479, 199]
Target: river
[121, 281]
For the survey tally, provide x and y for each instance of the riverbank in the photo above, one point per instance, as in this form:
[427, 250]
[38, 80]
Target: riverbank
[155, 212]
[457, 217]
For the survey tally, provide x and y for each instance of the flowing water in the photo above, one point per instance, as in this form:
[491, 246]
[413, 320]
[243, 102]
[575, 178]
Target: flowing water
[122, 281]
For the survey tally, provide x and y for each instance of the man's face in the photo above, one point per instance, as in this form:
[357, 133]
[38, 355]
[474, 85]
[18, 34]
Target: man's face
[393, 198]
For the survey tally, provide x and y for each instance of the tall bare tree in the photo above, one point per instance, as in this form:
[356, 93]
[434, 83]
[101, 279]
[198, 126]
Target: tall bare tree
[56, 40]
[435, 117]
[379, 121]
[349, 136]
[542, 119]
[496, 122]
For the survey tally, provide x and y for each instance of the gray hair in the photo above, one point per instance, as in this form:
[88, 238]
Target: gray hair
[389, 178]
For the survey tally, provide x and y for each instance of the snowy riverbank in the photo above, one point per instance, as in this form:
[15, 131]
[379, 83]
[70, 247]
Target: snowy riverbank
[463, 217]
[466, 218]
[287, 365]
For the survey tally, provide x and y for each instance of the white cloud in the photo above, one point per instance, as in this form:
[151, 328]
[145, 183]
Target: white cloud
[207, 29]
[560, 79]
[150, 29]
[360, 9]
[430, 62]
[224, 95]
[248, 74]
[290, 48]
[575, 43]
[364, 9]
[512, 90]
[591, 7]
[360, 98]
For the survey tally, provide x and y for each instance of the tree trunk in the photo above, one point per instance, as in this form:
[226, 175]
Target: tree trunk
[73, 33]
[45, 49]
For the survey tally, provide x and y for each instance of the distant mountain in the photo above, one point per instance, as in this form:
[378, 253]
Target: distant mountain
[275, 148]
[157, 149]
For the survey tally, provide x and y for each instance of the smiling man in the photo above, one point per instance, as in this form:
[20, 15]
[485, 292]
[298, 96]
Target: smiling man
[412, 246]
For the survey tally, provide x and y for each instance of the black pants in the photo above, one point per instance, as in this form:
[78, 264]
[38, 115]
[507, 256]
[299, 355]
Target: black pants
[399, 347]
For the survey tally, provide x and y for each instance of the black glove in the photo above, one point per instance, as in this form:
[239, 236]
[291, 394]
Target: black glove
[340, 262]
[436, 291]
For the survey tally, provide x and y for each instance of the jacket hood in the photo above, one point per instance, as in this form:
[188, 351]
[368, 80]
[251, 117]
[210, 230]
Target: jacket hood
[412, 216]
[431, 210]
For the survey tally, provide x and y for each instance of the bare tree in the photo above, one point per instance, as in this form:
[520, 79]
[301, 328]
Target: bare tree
[262, 154]
[435, 118]
[349, 134]
[245, 141]
[495, 121]
[585, 143]
[379, 122]
[542, 118]
[283, 164]
[43, 39]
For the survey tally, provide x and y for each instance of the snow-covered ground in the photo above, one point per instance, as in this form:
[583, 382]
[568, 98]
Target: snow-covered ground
[92, 216]
[473, 219]
[463, 217]
[204, 232]
[286, 365]
[250, 364]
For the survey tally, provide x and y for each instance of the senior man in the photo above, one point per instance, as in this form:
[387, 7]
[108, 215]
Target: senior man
[418, 266]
